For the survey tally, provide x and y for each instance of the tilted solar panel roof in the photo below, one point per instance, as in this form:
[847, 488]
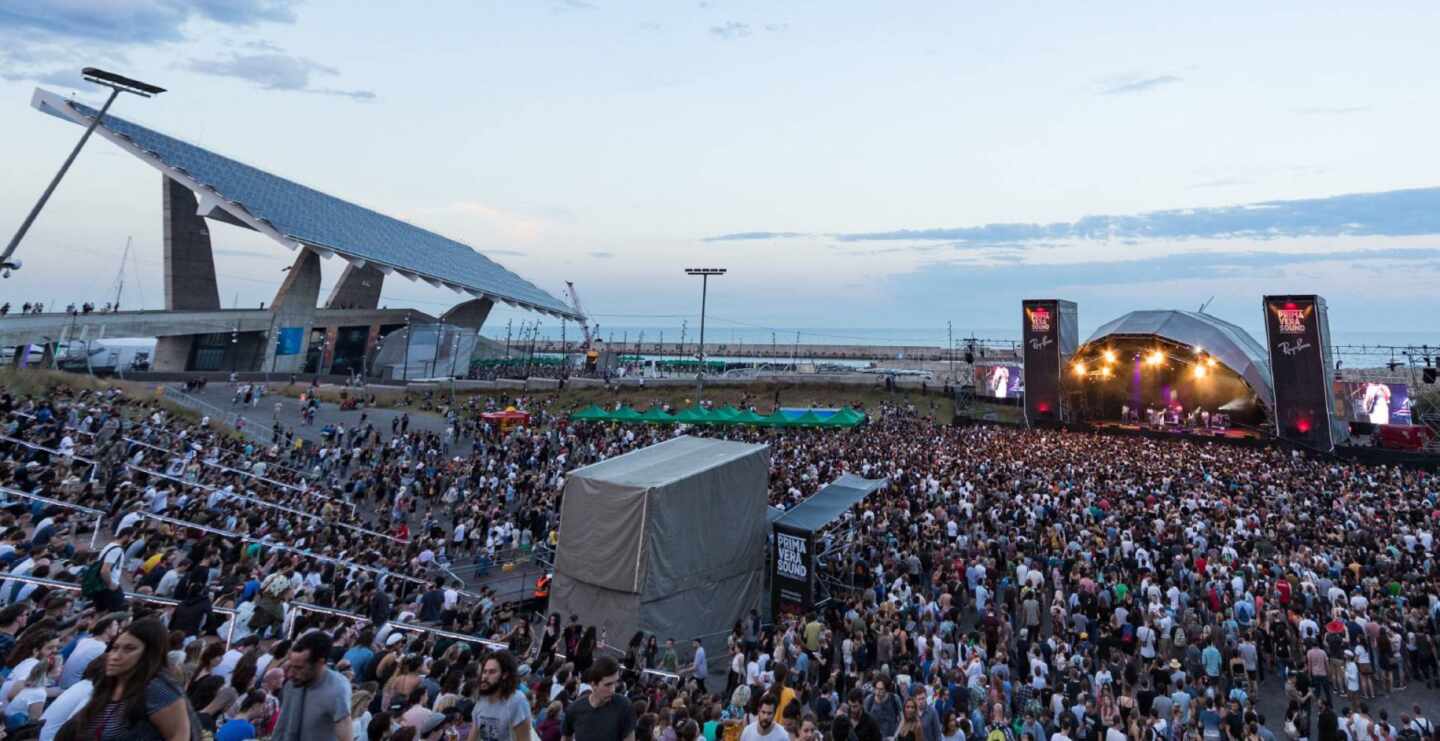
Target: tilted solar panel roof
[307, 216]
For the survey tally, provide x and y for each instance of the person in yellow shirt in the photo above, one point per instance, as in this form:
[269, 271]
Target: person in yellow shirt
[781, 690]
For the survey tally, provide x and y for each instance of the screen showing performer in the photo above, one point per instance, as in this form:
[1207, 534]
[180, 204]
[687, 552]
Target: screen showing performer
[1380, 403]
[999, 381]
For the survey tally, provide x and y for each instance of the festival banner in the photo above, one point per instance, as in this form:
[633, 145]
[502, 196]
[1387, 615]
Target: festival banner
[792, 577]
[1050, 335]
[1297, 335]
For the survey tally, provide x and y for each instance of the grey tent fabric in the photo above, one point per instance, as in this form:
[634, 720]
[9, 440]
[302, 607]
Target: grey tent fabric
[669, 539]
[1228, 343]
[828, 503]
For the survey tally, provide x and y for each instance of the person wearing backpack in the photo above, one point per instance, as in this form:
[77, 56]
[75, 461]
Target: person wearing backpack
[100, 581]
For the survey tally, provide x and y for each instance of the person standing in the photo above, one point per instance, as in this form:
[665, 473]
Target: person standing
[697, 666]
[765, 728]
[315, 701]
[501, 713]
[601, 714]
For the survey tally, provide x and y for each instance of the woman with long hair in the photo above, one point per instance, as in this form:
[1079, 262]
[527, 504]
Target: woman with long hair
[132, 699]
[209, 659]
[401, 684]
[585, 653]
[909, 729]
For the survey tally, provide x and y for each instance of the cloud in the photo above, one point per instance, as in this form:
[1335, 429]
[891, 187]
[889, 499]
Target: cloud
[1394, 213]
[135, 21]
[275, 71]
[568, 6]
[777, 27]
[1005, 278]
[1219, 183]
[39, 37]
[1333, 111]
[751, 236]
[1140, 86]
[731, 30]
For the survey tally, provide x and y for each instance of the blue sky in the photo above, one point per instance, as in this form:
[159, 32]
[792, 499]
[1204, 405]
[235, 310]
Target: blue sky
[923, 162]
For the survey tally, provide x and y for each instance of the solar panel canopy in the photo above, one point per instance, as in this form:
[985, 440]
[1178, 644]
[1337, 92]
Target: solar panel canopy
[299, 215]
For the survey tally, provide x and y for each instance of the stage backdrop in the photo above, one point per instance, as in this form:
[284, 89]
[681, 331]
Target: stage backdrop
[1051, 332]
[1297, 331]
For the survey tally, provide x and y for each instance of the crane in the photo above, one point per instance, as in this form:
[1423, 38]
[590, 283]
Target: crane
[584, 322]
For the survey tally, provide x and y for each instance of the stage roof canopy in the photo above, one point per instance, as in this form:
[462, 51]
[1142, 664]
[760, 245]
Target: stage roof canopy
[1226, 342]
[297, 216]
[829, 503]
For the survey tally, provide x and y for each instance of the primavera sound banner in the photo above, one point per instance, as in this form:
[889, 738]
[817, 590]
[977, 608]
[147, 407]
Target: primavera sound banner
[1297, 334]
[792, 579]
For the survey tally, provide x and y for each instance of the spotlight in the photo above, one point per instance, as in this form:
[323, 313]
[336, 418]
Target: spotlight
[1109, 356]
[1210, 362]
[1156, 358]
[1199, 349]
[1106, 372]
[1080, 369]
[1199, 371]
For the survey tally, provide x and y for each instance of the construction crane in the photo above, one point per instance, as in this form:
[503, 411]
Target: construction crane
[592, 354]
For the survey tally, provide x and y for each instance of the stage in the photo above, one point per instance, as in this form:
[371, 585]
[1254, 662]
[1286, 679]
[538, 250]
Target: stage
[1205, 433]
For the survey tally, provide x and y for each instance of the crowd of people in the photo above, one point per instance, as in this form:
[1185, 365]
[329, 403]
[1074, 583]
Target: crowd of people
[1006, 584]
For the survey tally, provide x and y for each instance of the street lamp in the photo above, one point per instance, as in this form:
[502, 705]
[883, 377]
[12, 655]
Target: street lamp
[117, 85]
[704, 274]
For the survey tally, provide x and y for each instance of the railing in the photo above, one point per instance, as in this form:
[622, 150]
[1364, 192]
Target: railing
[97, 514]
[263, 503]
[149, 598]
[273, 482]
[232, 419]
[94, 466]
[336, 612]
[385, 573]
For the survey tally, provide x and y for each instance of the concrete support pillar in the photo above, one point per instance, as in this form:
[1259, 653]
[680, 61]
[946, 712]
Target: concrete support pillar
[172, 354]
[358, 288]
[294, 308]
[189, 262]
[470, 314]
[189, 269]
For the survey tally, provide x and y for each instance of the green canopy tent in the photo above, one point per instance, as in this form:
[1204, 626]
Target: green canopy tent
[775, 419]
[625, 414]
[747, 417]
[657, 415]
[846, 417]
[808, 419]
[591, 413]
[695, 415]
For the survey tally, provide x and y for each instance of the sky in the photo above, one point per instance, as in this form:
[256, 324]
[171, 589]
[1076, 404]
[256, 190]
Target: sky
[854, 165]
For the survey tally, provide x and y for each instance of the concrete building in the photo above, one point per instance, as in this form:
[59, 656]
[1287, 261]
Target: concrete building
[296, 333]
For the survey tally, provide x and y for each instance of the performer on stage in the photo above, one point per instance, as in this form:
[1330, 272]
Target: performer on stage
[1377, 403]
[999, 381]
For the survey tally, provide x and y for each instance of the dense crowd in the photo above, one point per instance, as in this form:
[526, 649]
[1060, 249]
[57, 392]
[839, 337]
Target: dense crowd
[1007, 584]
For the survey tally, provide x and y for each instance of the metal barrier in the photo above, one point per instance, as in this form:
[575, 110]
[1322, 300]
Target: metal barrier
[263, 503]
[232, 419]
[272, 482]
[94, 466]
[97, 514]
[149, 598]
[281, 546]
[306, 607]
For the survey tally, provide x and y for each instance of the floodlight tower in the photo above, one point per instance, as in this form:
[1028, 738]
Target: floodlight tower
[704, 274]
[117, 85]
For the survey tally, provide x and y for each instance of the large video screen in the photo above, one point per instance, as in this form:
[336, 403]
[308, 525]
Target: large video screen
[1000, 381]
[1378, 403]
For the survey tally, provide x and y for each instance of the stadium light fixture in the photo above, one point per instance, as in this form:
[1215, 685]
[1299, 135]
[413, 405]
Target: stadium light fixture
[117, 84]
[704, 274]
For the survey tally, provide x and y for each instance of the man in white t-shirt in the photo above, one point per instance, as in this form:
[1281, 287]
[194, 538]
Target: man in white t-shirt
[765, 728]
[105, 629]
